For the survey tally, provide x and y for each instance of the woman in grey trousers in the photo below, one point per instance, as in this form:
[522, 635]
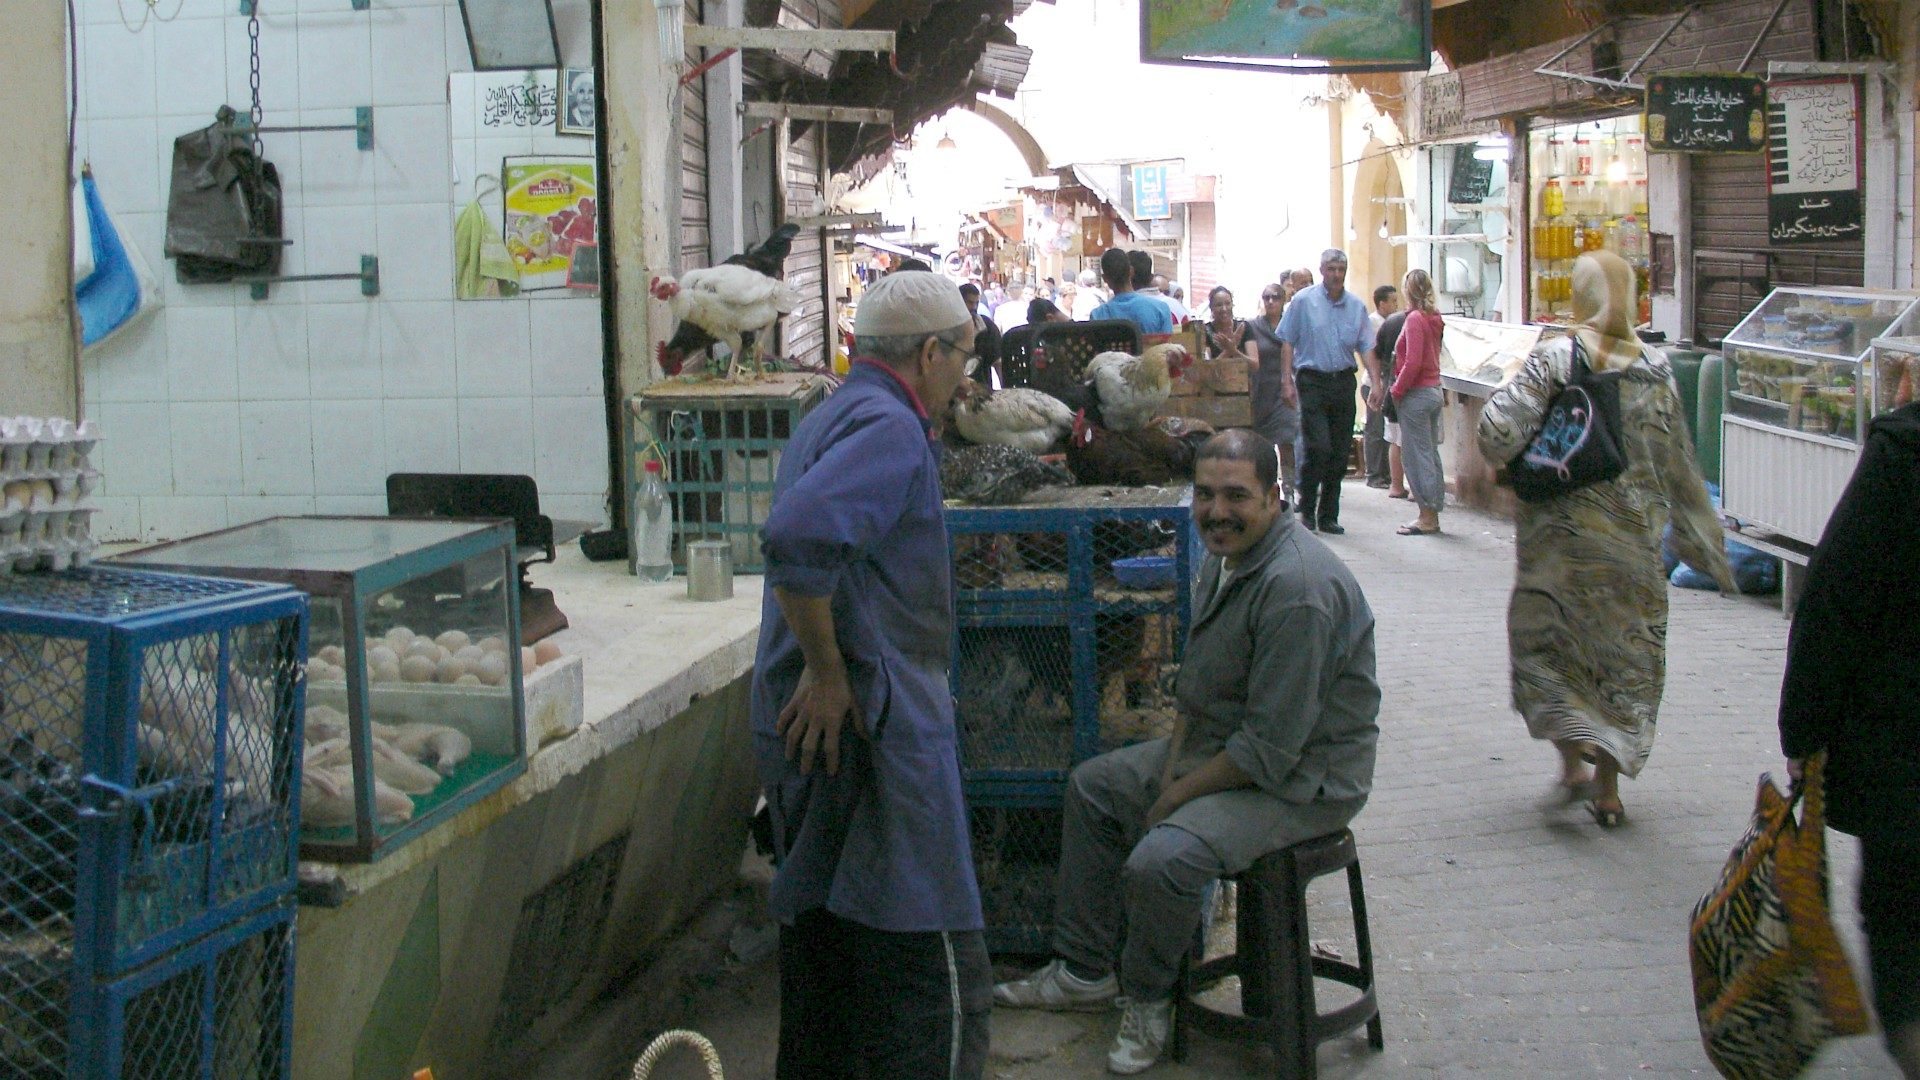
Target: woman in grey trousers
[1417, 399]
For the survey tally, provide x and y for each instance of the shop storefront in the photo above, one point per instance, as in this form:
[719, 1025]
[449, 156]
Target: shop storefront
[1587, 191]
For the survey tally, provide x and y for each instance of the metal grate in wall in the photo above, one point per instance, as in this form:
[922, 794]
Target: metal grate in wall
[556, 940]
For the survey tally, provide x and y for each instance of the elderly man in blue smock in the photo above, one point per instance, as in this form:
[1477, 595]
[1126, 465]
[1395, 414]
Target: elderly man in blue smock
[1324, 329]
[1274, 745]
[883, 970]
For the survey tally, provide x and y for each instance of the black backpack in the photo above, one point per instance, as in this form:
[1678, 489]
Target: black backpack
[1578, 444]
[223, 210]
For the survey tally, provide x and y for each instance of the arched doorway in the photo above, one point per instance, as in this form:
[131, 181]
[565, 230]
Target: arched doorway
[1378, 211]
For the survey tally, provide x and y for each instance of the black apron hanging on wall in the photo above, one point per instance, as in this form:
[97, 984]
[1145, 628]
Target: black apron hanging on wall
[223, 210]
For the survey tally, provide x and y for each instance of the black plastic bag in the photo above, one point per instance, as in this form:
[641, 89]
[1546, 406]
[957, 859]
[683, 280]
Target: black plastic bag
[224, 207]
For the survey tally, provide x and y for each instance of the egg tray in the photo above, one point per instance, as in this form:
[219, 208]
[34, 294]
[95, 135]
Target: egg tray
[45, 480]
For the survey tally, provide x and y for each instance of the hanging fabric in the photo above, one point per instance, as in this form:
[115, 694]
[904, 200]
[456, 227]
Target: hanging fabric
[482, 268]
[121, 286]
[82, 234]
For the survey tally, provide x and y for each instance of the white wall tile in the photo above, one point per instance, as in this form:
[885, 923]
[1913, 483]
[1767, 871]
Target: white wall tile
[190, 58]
[336, 237]
[334, 171]
[409, 56]
[349, 448]
[279, 64]
[336, 60]
[343, 350]
[416, 251]
[459, 55]
[131, 365]
[202, 361]
[119, 72]
[351, 505]
[591, 509]
[176, 517]
[135, 455]
[242, 509]
[276, 448]
[570, 445]
[463, 114]
[146, 231]
[117, 519]
[125, 157]
[487, 153]
[496, 435]
[206, 448]
[464, 172]
[416, 348]
[492, 346]
[422, 436]
[566, 347]
[272, 349]
[411, 155]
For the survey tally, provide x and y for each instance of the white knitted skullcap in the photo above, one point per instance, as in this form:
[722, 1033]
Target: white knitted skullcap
[910, 302]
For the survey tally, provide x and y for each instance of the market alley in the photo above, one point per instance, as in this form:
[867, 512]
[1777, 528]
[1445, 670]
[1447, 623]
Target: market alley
[1509, 943]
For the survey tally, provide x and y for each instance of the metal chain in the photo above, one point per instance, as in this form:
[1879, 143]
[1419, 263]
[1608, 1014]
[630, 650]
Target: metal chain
[253, 74]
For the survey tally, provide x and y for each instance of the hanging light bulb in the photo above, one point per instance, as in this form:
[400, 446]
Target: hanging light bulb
[1383, 228]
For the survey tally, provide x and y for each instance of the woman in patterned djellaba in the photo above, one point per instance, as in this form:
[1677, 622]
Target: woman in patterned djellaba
[1587, 624]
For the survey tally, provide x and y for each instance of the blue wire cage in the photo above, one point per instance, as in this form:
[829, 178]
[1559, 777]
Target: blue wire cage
[149, 796]
[1059, 655]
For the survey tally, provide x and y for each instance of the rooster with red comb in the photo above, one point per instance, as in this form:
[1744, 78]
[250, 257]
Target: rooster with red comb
[732, 303]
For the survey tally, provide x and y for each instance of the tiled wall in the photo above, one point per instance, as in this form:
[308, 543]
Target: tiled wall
[220, 409]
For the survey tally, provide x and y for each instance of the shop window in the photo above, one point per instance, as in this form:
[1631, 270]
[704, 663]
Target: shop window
[1588, 193]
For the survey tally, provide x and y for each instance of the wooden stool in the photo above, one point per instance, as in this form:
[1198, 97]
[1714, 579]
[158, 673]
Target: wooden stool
[1274, 959]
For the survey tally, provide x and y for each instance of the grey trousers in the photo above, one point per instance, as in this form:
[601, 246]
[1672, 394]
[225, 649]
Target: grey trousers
[1421, 415]
[1114, 872]
[1375, 437]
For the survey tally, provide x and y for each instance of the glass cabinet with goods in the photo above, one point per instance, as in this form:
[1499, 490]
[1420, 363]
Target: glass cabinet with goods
[1588, 183]
[414, 700]
[1804, 373]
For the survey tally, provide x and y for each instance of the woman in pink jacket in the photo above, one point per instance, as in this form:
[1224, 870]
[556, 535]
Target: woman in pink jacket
[1417, 399]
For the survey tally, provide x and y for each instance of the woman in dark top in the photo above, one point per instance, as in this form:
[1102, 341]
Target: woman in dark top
[1228, 337]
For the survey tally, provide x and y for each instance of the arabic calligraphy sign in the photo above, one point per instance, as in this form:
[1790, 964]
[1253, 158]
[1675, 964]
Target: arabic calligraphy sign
[1813, 161]
[1706, 114]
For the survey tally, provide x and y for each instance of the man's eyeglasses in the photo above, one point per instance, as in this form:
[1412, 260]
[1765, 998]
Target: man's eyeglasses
[972, 358]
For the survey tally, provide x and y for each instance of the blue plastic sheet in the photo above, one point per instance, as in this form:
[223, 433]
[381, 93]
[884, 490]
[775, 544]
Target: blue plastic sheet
[1754, 572]
[111, 294]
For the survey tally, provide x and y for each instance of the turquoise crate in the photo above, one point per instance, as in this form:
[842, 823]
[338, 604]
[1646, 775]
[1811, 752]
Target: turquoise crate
[720, 444]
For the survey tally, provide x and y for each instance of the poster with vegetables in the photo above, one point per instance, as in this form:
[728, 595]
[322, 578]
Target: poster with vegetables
[551, 207]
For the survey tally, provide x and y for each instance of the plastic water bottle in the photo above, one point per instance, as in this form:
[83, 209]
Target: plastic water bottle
[653, 528]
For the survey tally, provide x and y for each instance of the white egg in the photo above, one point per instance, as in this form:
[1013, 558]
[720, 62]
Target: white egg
[333, 654]
[527, 662]
[469, 679]
[417, 669]
[493, 670]
[449, 670]
[381, 654]
[469, 653]
[423, 647]
[317, 669]
[546, 652]
[399, 637]
[452, 639]
[386, 671]
[494, 644]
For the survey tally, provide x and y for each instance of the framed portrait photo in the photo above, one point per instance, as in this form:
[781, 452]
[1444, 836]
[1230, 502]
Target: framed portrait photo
[576, 101]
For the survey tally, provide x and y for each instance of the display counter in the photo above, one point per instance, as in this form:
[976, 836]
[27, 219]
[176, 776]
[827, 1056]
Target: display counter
[1804, 375]
[1476, 357]
[471, 947]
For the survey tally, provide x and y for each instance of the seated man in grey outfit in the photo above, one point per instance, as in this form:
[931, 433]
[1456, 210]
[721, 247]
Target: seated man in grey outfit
[1274, 745]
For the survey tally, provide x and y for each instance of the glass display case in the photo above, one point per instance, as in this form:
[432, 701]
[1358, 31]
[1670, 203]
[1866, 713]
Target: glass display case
[414, 700]
[1801, 382]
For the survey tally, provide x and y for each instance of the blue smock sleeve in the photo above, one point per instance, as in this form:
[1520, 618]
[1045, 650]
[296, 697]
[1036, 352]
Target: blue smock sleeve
[844, 504]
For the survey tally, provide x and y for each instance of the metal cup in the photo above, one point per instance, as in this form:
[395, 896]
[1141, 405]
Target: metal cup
[710, 570]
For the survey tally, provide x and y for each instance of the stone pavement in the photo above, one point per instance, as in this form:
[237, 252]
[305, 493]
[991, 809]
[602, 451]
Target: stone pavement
[1508, 942]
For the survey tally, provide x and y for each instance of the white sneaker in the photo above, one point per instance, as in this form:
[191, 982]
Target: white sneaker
[1054, 987]
[1143, 1036]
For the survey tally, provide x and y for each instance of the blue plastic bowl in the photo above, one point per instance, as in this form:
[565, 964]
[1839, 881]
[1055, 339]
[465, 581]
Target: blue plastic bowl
[1144, 572]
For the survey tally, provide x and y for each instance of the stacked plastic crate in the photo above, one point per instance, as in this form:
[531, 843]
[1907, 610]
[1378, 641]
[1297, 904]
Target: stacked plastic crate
[1072, 612]
[148, 812]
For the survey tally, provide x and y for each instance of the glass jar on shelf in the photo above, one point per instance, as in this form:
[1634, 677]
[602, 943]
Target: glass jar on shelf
[1583, 150]
[1553, 200]
[1557, 155]
[1579, 196]
[1640, 196]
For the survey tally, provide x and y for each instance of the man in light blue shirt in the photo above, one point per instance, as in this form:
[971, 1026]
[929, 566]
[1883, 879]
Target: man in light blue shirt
[1150, 315]
[1324, 329]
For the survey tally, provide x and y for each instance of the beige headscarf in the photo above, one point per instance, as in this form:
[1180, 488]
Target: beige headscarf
[1603, 310]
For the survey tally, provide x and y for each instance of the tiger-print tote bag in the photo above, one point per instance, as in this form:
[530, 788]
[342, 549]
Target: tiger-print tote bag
[1770, 982]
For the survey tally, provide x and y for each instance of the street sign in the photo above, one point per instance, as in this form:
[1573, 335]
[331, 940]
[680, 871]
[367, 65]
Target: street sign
[1706, 114]
[1150, 192]
[1813, 161]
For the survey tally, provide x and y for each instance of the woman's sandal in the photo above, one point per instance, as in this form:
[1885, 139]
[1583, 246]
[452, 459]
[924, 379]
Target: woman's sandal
[1400, 495]
[1416, 529]
[1606, 819]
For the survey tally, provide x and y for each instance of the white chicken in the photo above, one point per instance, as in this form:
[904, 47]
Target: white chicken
[1131, 389]
[732, 302]
[1031, 420]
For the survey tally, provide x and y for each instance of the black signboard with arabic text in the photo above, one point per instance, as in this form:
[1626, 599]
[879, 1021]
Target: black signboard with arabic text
[1706, 114]
[1813, 161]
